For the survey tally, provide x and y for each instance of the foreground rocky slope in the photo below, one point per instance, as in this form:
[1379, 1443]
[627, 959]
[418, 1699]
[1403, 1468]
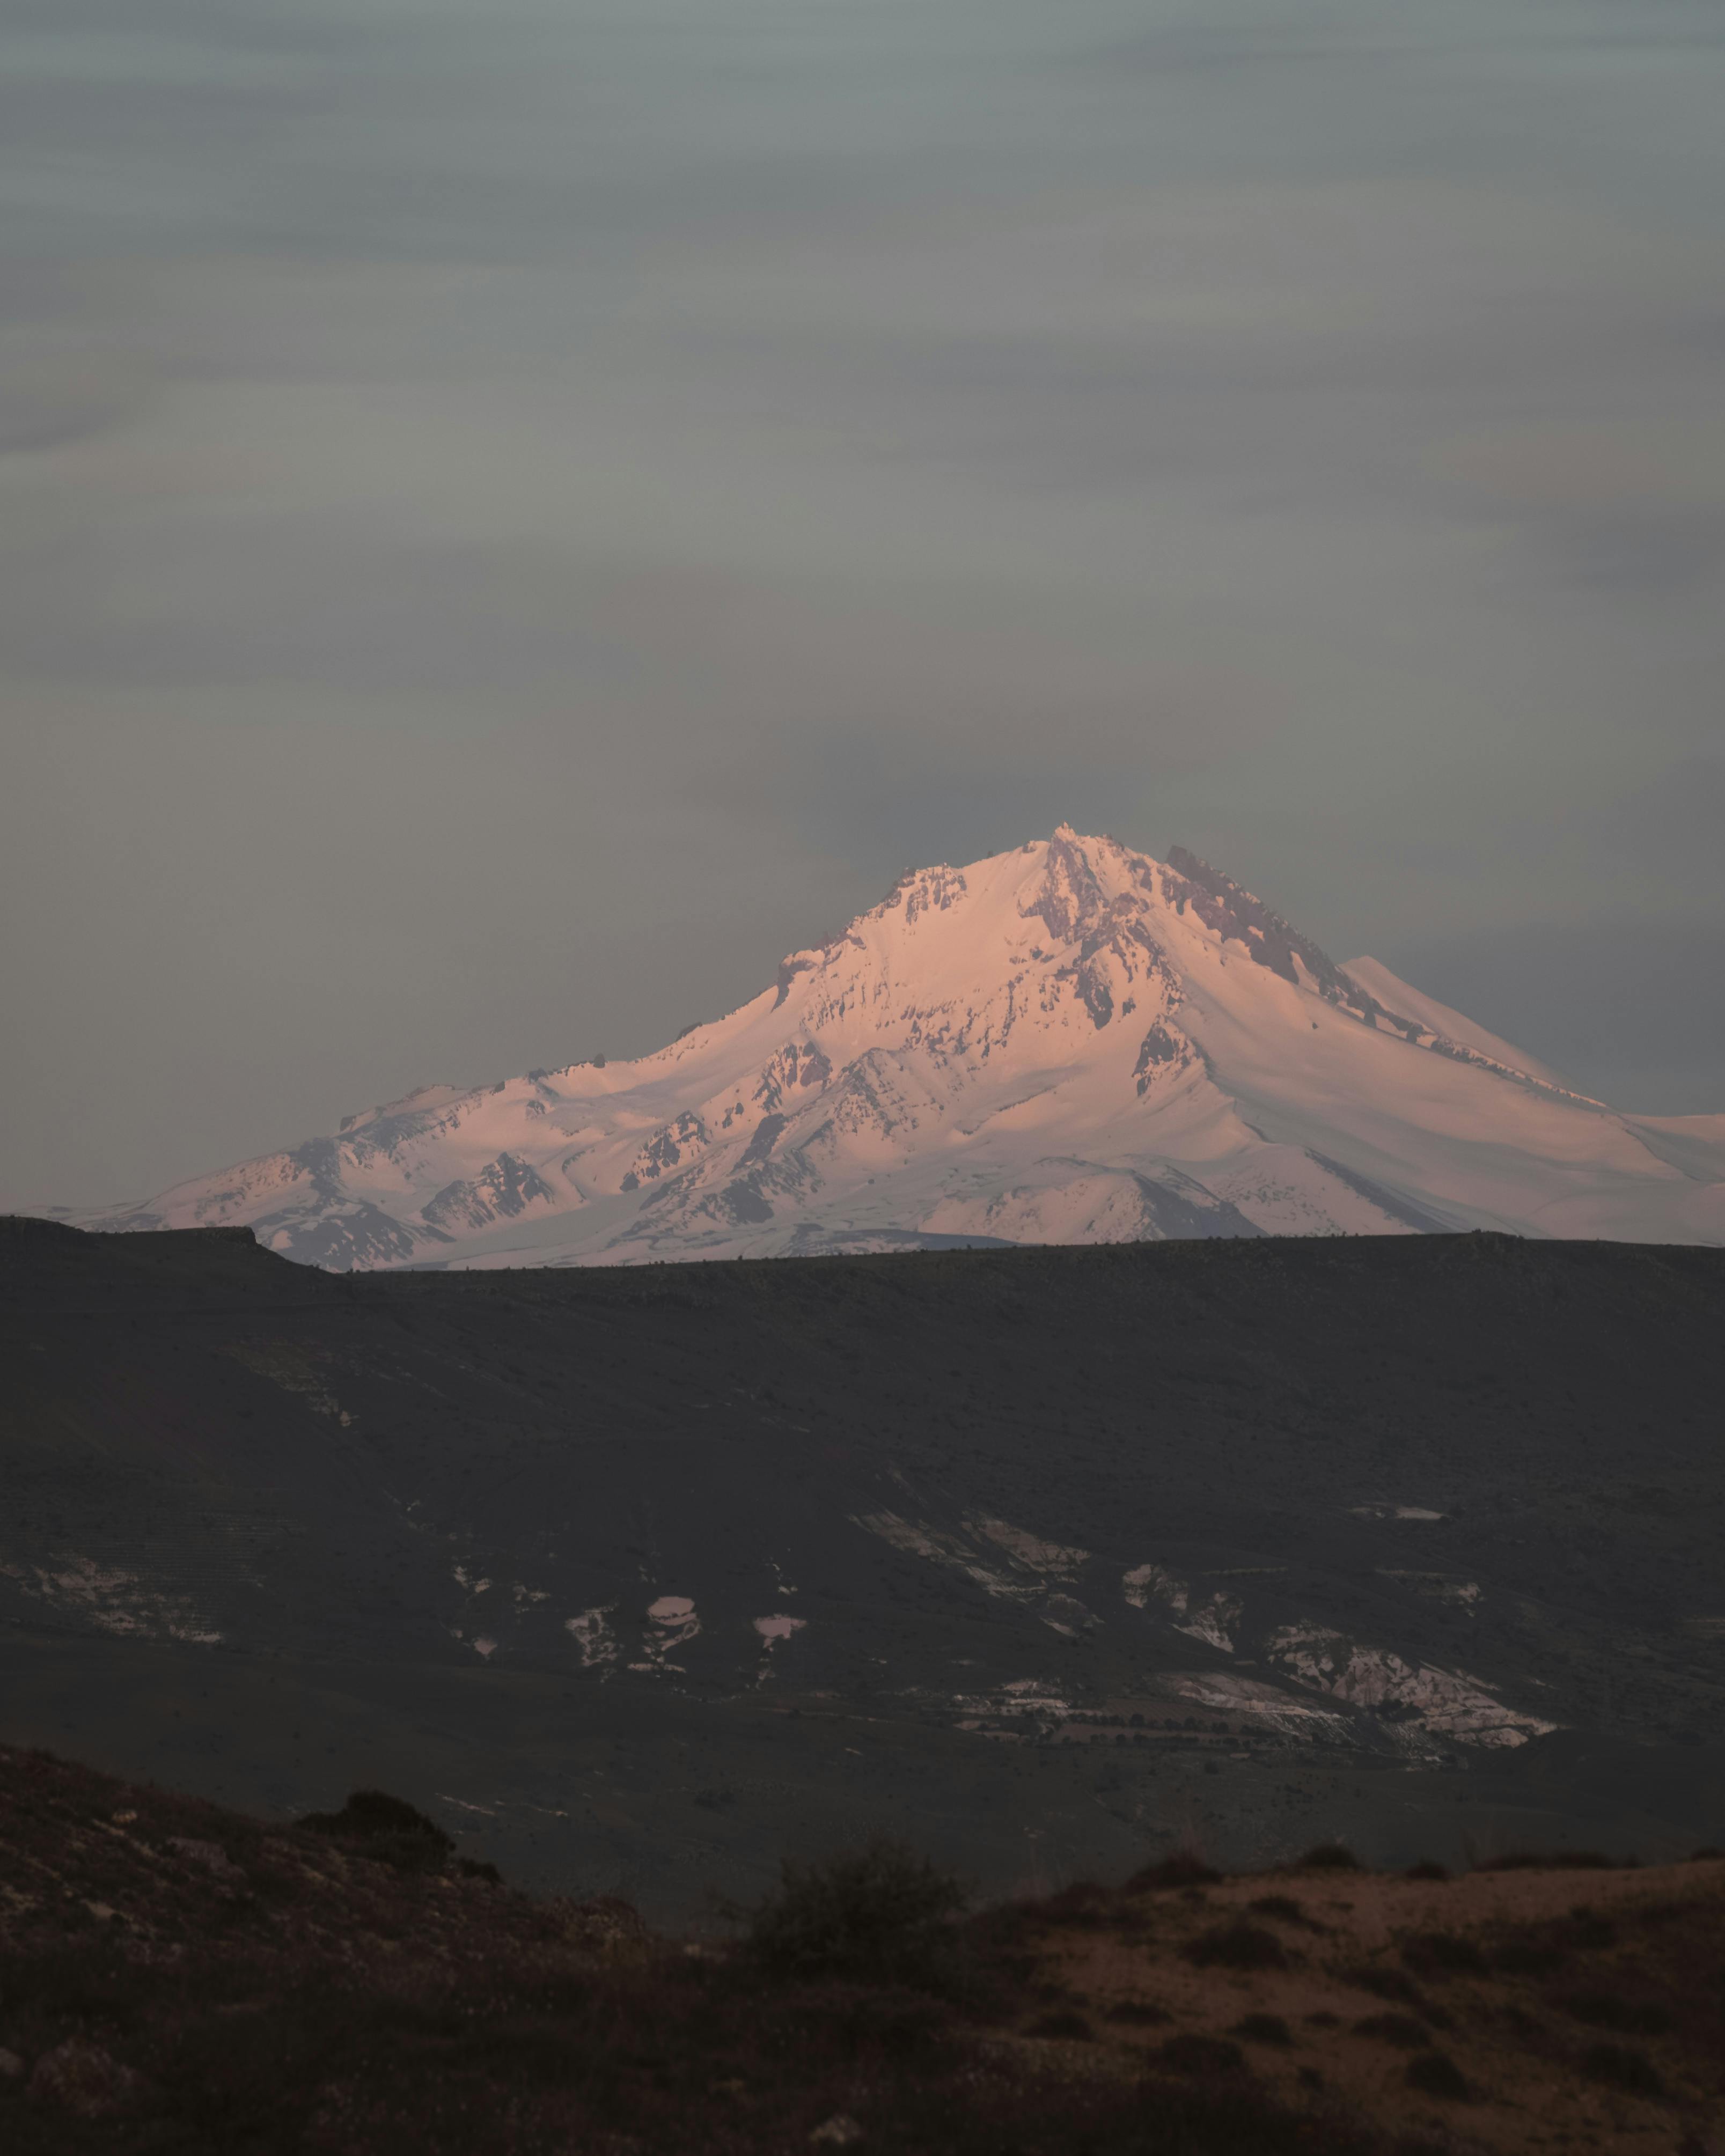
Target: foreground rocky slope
[175, 1977]
[648, 1576]
[1068, 1043]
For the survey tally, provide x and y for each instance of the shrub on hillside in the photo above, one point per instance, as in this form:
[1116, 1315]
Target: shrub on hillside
[1605, 2009]
[1623, 2067]
[1443, 1953]
[1192, 2052]
[1433, 2073]
[880, 1912]
[1282, 1906]
[1555, 1860]
[390, 1829]
[1394, 2028]
[1236, 1945]
[1184, 1868]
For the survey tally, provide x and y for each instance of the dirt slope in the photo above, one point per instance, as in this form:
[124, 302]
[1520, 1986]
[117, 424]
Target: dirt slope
[174, 1977]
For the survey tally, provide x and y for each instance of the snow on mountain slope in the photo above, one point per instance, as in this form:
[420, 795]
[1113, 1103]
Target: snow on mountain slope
[1395, 993]
[1070, 1042]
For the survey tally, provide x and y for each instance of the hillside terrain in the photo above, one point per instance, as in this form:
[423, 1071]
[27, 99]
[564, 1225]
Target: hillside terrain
[641, 1578]
[1067, 1043]
[177, 1976]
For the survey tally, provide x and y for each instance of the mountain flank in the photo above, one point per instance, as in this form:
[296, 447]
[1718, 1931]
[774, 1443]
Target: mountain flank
[1070, 1042]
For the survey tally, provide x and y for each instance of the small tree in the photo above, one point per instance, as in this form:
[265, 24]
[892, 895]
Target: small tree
[387, 1828]
[880, 1912]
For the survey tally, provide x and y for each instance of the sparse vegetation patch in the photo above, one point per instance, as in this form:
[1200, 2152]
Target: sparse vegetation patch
[1443, 1953]
[1394, 2028]
[1182, 1869]
[1236, 1945]
[1328, 1857]
[1621, 2066]
[1282, 1906]
[1263, 2029]
[1605, 2009]
[1435, 2073]
[880, 1913]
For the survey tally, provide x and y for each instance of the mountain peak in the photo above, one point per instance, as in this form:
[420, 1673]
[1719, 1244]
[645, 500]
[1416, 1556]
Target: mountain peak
[1067, 1042]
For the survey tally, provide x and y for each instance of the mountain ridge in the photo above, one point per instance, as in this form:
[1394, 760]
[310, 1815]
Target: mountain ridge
[1067, 1042]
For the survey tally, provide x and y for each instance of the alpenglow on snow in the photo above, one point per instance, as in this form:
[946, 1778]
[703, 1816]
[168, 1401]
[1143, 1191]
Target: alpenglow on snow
[1067, 1043]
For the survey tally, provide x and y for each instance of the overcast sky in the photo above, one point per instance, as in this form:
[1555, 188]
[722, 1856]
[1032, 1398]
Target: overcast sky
[513, 516]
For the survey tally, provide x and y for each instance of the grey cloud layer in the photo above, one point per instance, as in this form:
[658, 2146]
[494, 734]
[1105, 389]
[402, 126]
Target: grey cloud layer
[736, 448]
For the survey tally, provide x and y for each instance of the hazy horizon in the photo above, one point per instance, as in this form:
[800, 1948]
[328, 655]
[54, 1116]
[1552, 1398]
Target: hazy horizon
[512, 523]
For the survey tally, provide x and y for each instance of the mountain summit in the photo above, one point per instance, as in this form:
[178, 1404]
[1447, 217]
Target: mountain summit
[1068, 1043]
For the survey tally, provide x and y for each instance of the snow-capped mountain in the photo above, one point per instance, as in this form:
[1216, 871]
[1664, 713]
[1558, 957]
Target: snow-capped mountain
[1068, 1043]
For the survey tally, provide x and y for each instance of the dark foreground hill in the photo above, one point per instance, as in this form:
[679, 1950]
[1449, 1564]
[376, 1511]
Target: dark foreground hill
[176, 1977]
[1041, 1557]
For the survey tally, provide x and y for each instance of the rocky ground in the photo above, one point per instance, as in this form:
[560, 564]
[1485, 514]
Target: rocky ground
[176, 1977]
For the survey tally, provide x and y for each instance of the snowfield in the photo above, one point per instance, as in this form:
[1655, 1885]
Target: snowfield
[1068, 1043]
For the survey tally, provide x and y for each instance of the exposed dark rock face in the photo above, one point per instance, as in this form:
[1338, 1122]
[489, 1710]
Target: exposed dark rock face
[1071, 899]
[666, 1149]
[801, 1064]
[346, 1237]
[744, 1202]
[928, 890]
[1164, 1050]
[1235, 915]
[1419, 1218]
[499, 1191]
[762, 1143]
[1178, 1209]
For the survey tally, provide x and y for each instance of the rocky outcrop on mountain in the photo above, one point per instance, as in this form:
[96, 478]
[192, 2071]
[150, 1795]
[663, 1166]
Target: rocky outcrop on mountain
[502, 1190]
